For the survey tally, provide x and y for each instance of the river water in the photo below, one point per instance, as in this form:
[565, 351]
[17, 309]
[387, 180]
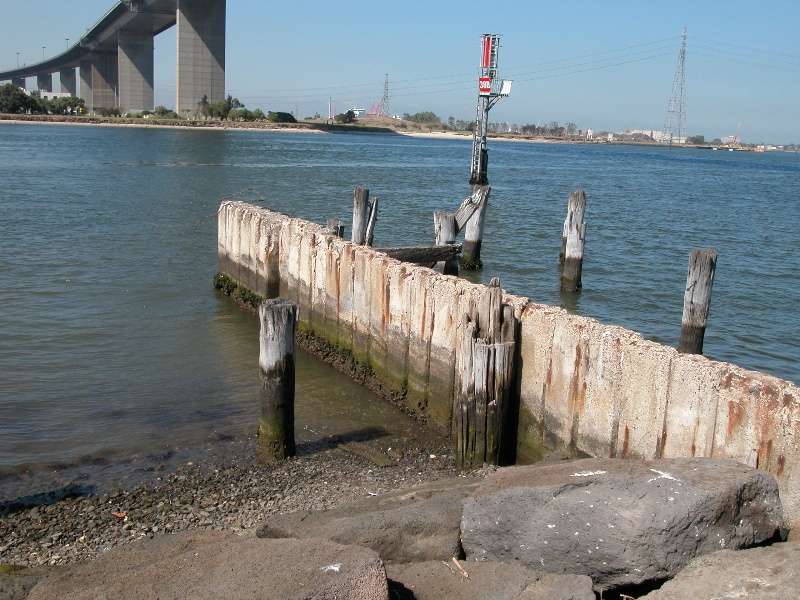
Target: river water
[113, 342]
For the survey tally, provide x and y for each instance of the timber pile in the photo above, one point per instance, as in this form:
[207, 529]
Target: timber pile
[486, 374]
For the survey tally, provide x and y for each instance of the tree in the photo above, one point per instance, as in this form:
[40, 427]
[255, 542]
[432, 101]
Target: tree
[696, 140]
[422, 117]
[14, 100]
[203, 107]
[65, 106]
[283, 117]
[345, 117]
[571, 128]
[162, 112]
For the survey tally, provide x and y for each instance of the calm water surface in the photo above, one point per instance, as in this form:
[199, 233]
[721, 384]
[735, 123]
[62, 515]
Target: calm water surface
[112, 339]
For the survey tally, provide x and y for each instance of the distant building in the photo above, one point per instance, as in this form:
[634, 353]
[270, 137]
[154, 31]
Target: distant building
[47, 95]
[358, 111]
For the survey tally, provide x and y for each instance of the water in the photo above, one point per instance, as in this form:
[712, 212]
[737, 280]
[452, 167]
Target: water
[113, 342]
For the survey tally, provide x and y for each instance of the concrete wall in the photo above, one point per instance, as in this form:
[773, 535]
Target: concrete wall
[136, 69]
[85, 81]
[44, 82]
[597, 389]
[200, 54]
[104, 80]
[68, 81]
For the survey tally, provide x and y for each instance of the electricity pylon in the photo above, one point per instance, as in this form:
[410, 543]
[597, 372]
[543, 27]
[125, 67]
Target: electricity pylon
[677, 102]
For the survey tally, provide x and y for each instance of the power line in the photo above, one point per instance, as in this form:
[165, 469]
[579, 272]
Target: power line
[466, 79]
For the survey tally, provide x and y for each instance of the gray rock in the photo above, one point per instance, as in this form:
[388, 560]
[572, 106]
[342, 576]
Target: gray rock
[620, 522]
[212, 565]
[771, 573]
[412, 525]
[441, 580]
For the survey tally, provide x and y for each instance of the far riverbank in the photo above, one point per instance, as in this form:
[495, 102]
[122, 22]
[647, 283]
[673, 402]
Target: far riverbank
[367, 125]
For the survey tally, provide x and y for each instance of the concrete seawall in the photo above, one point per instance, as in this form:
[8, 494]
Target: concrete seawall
[597, 389]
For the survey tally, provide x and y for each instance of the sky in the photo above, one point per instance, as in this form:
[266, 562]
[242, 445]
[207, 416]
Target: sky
[602, 64]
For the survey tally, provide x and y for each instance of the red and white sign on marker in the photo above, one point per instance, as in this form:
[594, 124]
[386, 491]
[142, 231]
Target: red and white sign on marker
[484, 86]
[487, 51]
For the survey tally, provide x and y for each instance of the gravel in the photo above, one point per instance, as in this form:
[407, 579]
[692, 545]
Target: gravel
[221, 492]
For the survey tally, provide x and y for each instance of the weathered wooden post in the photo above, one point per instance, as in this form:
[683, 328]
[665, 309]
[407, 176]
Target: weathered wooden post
[360, 214]
[373, 217]
[696, 299]
[473, 233]
[486, 374]
[276, 367]
[445, 224]
[365, 213]
[336, 227]
[572, 242]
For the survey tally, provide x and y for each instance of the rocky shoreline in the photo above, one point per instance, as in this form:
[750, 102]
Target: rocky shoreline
[66, 525]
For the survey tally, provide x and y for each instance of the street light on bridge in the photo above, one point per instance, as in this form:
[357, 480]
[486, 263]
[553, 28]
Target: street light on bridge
[43, 47]
[18, 60]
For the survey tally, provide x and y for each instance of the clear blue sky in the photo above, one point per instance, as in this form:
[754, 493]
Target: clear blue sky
[605, 64]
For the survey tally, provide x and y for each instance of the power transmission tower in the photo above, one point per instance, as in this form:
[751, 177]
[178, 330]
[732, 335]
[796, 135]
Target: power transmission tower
[385, 100]
[677, 102]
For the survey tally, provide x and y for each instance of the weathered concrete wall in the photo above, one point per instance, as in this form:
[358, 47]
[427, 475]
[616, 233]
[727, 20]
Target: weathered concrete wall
[600, 390]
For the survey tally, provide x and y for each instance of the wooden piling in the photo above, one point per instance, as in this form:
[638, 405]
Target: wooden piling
[486, 375]
[277, 373]
[360, 215]
[572, 242]
[696, 300]
[336, 227]
[473, 234]
[575, 210]
[373, 217]
[445, 224]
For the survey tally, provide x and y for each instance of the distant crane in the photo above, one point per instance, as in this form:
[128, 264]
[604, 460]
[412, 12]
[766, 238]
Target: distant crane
[675, 123]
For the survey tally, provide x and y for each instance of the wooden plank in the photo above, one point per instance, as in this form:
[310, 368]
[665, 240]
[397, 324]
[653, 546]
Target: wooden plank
[471, 204]
[422, 254]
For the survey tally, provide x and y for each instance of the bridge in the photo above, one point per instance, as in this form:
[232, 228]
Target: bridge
[111, 66]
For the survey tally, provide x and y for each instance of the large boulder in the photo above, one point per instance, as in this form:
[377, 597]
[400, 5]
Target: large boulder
[770, 573]
[412, 525]
[210, 565]
[444, 580]
[620, 522]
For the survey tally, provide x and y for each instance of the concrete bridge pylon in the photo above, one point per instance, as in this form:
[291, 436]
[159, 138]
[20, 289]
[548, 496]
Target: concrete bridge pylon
[115, 58]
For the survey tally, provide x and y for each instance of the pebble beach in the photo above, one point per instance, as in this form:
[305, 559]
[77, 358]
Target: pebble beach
[64, 524]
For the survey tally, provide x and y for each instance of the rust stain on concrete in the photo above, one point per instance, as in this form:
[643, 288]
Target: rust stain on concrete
[575, 379]
[385, 313]
[764, 454]
[626, 441]
[735, 413]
